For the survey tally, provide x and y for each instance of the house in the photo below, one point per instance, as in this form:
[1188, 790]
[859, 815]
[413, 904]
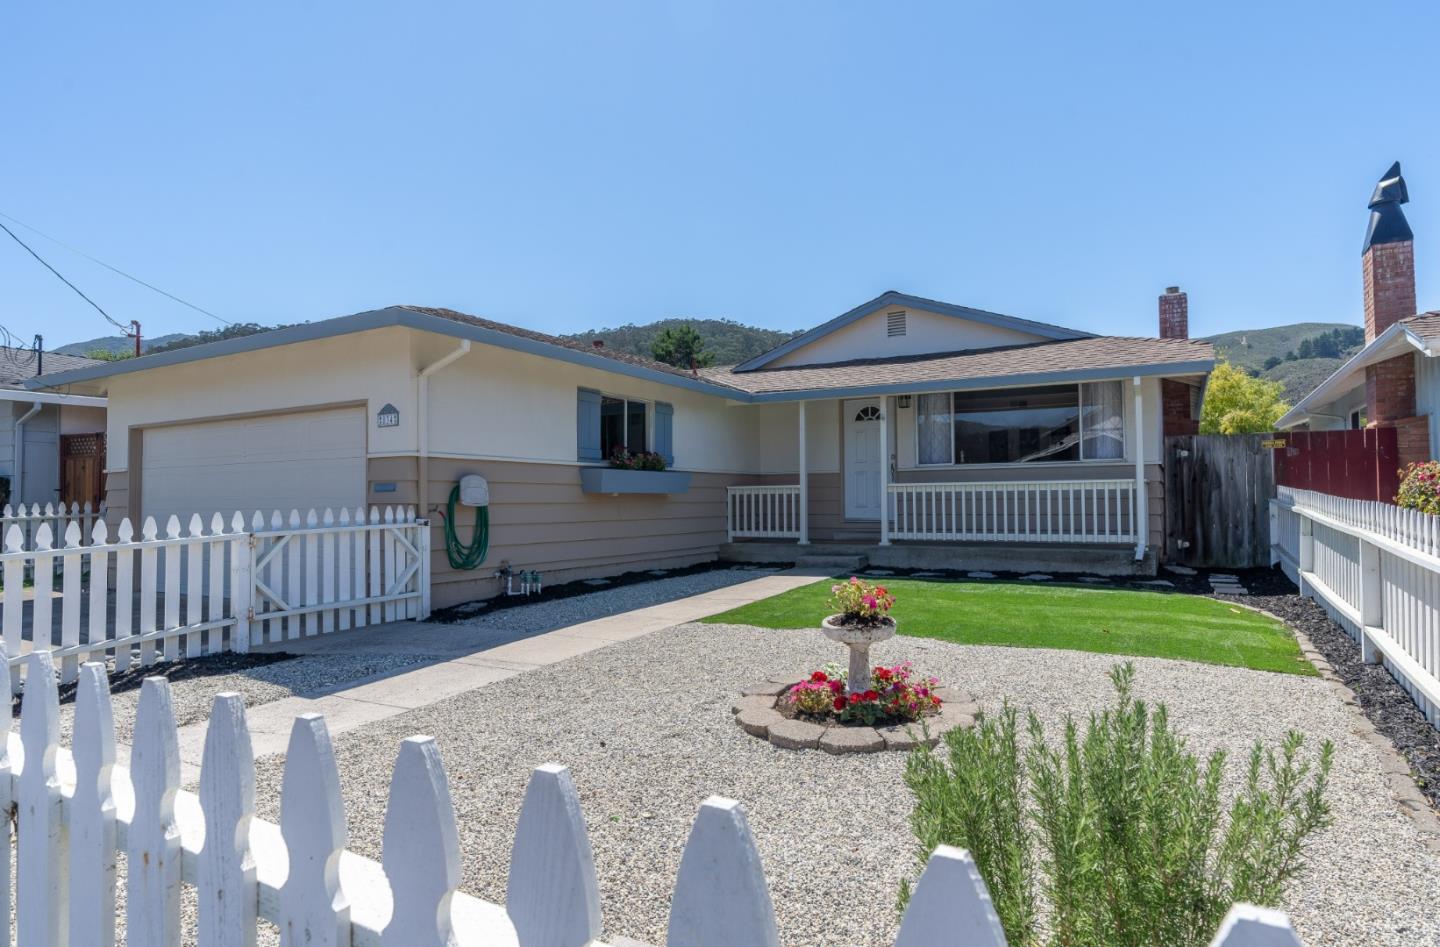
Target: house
[978, 434]
[1394, 381]
[52, 443]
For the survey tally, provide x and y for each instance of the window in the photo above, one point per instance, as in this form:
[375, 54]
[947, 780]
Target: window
[894, 324]
[622, 425]
[1056, 423]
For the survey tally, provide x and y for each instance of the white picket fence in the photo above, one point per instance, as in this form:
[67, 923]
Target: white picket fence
[55, 515]
[76, 810]
[200, 591]
[1375, 569]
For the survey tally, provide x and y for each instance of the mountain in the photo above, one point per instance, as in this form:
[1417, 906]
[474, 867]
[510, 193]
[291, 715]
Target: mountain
[1299, 356]
[117, 344]
[729, 341]
[120, 346]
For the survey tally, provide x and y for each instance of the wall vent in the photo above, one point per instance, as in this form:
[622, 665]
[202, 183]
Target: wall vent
[895, 324]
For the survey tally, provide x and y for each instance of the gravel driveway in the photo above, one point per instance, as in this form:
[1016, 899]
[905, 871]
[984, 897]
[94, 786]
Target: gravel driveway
[646, 728]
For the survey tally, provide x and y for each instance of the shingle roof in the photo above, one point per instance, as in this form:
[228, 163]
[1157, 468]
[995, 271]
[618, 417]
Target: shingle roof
[17, 366]
[1426, 324]
[534, 336]
[1100, 352]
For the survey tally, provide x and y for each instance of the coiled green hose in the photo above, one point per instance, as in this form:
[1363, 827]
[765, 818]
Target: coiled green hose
[462, 555]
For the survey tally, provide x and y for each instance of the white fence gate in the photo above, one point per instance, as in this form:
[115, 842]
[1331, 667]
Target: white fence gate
[76, 810]
[200, 591]
[1375, 569]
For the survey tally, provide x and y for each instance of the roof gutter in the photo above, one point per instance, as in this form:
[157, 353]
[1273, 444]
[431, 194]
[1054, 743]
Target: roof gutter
[423, 421]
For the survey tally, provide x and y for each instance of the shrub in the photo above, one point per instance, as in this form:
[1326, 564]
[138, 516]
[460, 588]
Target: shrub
[1119, 831]
[858, 603]
[1420, 487]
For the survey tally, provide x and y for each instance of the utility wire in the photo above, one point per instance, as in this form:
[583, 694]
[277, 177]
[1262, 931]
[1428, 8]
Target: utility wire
[108, 317]
[115, 270]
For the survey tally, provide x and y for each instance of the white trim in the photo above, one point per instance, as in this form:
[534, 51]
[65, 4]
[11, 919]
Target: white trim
[45, 397]
[804, 478]
[1393, 342]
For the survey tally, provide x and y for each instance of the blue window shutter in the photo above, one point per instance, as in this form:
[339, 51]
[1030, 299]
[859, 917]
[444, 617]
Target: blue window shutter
[665, 432]
[587, 425]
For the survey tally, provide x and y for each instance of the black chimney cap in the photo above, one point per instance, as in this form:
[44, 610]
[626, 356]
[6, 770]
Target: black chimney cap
[1387, 220]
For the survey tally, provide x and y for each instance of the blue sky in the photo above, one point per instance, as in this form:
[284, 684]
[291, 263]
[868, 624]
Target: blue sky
[567, 166]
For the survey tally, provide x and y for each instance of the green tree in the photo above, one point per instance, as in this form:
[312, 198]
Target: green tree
[108, 355]
[681, 346]
[1271, 362]
[1239, 403]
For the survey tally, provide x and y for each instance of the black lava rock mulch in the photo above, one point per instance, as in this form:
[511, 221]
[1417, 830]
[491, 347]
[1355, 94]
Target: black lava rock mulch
[1384, 702]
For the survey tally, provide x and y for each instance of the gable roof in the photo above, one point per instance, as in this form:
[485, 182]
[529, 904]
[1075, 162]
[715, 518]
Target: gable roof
[1069, 360]
[1420, 332]
[892, 298]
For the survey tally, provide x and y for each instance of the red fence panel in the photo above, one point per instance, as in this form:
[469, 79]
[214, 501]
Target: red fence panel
[1360, 465]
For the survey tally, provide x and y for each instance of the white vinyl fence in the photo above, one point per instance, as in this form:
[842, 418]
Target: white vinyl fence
[76, 810]
[1375, 568]
[142, 599]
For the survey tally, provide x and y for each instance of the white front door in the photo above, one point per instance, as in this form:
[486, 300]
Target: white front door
[863, 455]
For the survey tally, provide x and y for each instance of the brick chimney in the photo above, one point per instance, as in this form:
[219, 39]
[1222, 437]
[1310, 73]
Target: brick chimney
[1177, 399]
[1174, 314]
[1387, 263]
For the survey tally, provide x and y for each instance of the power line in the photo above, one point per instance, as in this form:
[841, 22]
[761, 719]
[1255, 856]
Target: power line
[108, 317]
[113, 269]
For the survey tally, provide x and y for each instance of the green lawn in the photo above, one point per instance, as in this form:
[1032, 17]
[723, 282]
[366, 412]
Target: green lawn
[1078, 618]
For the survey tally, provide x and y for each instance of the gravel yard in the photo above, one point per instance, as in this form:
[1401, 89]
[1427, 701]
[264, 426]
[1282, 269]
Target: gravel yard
[646, 728]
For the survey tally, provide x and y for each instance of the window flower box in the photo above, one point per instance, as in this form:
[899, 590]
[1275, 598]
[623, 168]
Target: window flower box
[614, 480]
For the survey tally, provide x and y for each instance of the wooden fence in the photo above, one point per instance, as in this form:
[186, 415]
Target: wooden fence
[1217, 493]
[76, 810]
[185, 594]
[1359, 464]
[1375, 568]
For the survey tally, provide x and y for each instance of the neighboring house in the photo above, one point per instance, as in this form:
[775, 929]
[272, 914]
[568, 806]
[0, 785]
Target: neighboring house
[1040, 434]
[52, 443]
[1394, 381]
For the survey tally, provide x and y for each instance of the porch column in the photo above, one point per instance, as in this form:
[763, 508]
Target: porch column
[1142, 500]
[884, 470]
[804, 484]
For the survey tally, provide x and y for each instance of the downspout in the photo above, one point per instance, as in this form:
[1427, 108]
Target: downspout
[1142, 499]
[423, 419]
[18, 452]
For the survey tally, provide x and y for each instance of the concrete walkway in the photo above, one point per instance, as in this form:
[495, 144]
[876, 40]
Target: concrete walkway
[477, 655]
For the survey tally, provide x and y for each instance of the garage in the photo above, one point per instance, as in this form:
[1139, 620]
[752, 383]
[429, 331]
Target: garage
[295, 460]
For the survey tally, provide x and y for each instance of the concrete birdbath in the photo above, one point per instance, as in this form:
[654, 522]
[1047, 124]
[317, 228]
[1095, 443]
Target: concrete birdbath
[858, 638]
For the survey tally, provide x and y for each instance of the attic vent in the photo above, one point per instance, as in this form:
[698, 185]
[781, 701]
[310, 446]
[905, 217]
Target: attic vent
[894, 324]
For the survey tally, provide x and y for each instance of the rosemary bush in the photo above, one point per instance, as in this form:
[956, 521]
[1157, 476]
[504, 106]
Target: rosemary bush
[1116, 835]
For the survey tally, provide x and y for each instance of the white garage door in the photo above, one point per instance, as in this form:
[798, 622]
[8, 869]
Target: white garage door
[271, 462]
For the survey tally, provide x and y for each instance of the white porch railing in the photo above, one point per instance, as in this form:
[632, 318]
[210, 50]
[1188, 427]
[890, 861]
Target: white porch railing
[154, 598]
[763, 512]
[76, 810]
[1071, 511]
[1375, 569]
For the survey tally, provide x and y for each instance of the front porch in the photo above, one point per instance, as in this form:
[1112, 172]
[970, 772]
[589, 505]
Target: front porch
[1110, 560]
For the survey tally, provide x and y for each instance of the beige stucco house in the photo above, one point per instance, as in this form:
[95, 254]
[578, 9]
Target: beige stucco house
[972, 431]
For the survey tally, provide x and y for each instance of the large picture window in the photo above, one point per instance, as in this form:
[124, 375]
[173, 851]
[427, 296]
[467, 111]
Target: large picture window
[622, 425]
[1051, 424]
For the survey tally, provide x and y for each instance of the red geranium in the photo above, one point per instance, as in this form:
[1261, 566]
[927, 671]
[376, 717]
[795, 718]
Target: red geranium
[871, 695]
[839, 703]
[819, 677]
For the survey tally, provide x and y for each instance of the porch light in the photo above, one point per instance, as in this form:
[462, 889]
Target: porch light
[902, 401]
